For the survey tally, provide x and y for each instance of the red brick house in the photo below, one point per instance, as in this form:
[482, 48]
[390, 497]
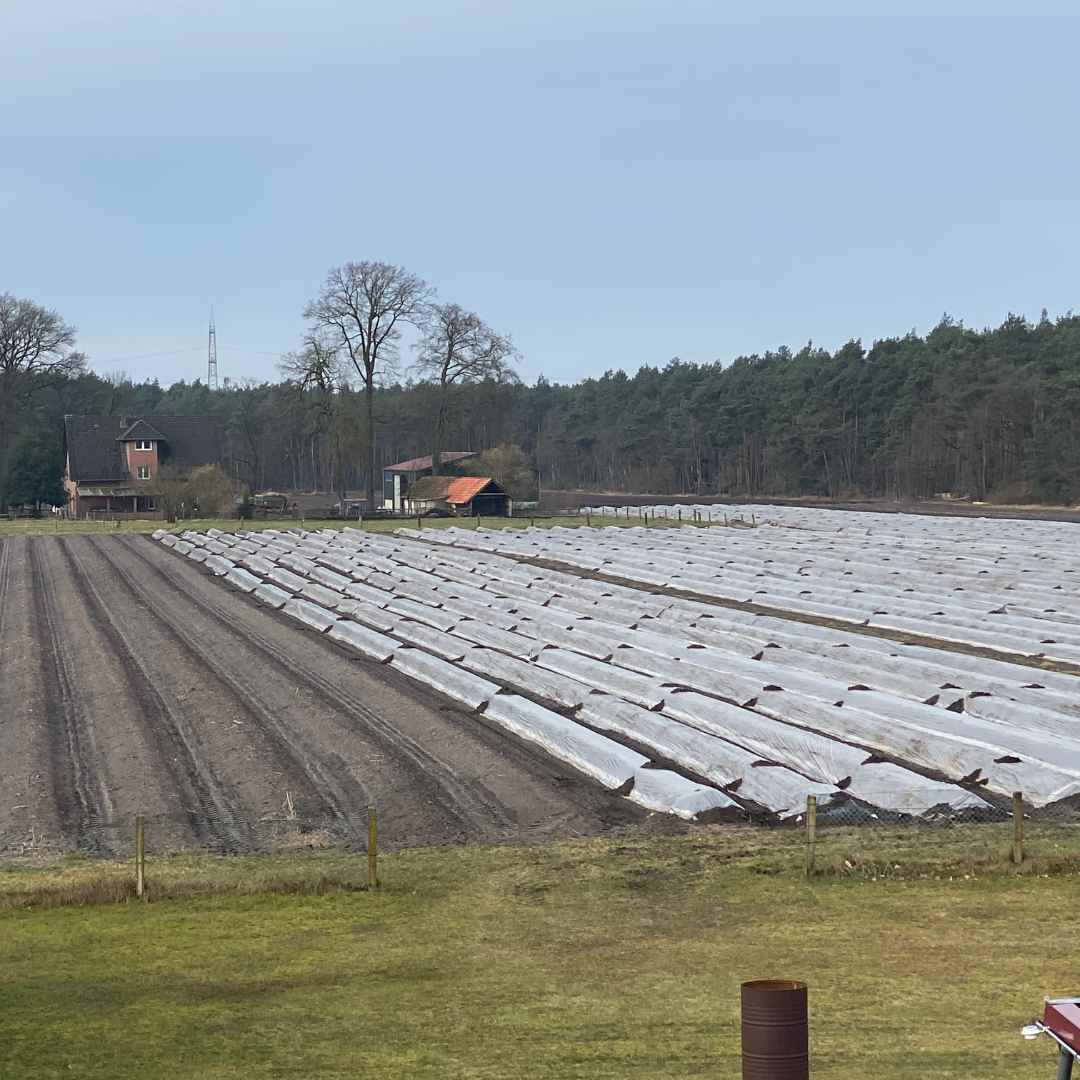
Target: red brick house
[111, 462]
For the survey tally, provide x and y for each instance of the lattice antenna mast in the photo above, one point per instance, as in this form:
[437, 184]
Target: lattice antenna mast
[211, 356]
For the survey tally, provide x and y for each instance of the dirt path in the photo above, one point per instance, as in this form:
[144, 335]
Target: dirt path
[135, 683]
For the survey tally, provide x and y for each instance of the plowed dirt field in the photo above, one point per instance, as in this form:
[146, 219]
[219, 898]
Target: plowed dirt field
[130, 683]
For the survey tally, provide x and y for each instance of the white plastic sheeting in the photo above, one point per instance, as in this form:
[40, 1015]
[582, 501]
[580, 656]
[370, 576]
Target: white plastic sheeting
[272, 596]
[902, 791]
[588, 636]
[481, 633]
[468, 689]
[434, 641]
[816, 757]
[722, 763]
[285, 579]
[670, 793]
[956, 758]
[375, 618]
[369, 643]
[319, 594]
[298, 564]
[639, 689]
[808, 578]
[311, 615]
[242, 580]
[330, 579]
[677, 674]
[257, 564]
[578, 639]
[606, 761]
[366, 593]
[1023, 717]
[442, 620]
[527, 677]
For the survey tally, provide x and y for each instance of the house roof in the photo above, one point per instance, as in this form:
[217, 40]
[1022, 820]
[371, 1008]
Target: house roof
[141, 430]
[95, 448]
[456, 490]
[421, 464]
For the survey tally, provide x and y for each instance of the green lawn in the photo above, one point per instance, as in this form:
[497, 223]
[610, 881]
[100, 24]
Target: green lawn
[614, 958]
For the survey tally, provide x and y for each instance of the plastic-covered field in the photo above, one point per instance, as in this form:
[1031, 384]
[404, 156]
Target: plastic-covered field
[1012, 586]
[683, 705]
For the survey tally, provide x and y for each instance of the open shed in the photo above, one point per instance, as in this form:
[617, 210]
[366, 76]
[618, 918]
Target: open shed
[468, 496]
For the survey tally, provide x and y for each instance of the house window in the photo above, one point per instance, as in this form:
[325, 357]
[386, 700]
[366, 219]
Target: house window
[144, 472]
[144, 444]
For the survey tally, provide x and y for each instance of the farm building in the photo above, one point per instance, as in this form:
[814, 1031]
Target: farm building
[398, 478]
[111, 462]
[470, 496]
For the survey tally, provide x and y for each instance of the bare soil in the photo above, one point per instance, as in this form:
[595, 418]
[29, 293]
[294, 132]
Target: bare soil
[132, 683]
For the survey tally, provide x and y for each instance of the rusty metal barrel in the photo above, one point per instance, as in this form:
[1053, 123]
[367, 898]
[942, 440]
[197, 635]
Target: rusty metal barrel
[775, 1030]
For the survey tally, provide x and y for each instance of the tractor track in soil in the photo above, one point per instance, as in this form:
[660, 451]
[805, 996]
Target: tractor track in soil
[136, 683]
[316, 779]
[461, 800]
[495, 786]
[212, 816]
[83, 802]
[5, 562]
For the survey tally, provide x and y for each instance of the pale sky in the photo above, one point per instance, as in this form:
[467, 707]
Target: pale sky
[613, 184]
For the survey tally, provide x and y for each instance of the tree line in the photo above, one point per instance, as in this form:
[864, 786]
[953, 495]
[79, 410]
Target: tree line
[991, 413]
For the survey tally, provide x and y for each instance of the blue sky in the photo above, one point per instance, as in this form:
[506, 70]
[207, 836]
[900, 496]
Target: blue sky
[612, 184]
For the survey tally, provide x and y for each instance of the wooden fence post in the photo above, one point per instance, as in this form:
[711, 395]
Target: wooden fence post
[372, 849]
[811, 833]
[1018, 828]
[140, 857]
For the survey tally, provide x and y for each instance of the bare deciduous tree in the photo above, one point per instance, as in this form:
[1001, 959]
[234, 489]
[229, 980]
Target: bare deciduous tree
[35, 354]
[459, 347]
[315, 371]
[363, 307]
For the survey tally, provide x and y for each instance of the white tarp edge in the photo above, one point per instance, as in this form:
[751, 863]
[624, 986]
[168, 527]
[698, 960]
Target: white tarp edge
[527, 677]
[452, 681]
[670, 793]
[272, 596]
[369, 643]
[641, 689]
[242, 580]
[318, 618]
[608, 762]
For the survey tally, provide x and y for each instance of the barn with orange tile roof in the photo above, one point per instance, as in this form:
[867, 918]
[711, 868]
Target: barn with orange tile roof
[465, 495]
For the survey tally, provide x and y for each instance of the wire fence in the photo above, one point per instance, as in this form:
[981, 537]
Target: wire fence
[834, 834]
[841, 835]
